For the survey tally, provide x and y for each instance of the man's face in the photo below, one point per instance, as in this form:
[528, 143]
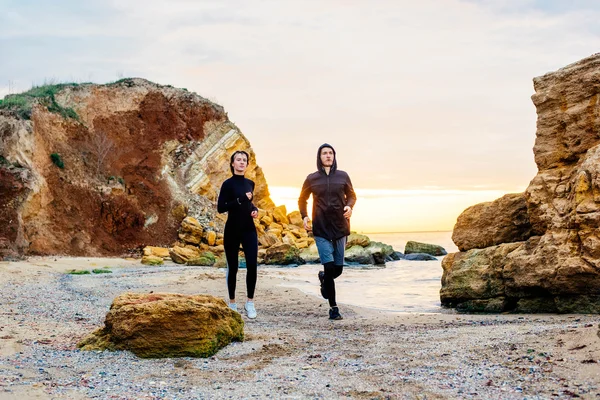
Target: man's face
[327, 156]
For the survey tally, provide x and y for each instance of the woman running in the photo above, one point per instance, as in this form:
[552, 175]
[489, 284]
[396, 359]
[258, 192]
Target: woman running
[235, 198]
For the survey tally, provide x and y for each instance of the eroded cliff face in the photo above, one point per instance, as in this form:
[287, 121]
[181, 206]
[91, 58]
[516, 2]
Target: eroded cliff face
[138, 157]
[540, 251]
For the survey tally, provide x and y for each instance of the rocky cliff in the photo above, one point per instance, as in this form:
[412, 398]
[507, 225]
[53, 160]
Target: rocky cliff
[105, 169]
[540, 251]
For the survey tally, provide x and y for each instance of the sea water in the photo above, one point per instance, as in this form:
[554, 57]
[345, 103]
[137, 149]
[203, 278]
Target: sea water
[400, 286]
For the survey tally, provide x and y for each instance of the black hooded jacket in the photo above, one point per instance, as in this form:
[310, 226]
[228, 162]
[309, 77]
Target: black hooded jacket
[331, 193]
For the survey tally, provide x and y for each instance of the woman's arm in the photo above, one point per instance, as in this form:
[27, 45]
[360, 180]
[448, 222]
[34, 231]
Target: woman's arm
[226, 202]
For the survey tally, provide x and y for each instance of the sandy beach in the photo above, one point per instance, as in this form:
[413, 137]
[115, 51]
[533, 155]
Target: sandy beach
[290, 351]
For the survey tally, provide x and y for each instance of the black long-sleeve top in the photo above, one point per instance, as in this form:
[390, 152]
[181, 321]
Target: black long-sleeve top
[233, 201]
[331, 193]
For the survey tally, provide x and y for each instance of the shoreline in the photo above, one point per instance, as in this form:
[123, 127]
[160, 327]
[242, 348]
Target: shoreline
[290, 351]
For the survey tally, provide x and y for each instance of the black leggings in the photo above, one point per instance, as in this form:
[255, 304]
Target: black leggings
[331, 272]
[249, 242]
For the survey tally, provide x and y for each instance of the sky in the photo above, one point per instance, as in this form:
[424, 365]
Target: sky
[427, 103]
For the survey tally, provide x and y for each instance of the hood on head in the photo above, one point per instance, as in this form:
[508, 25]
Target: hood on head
[320, 164]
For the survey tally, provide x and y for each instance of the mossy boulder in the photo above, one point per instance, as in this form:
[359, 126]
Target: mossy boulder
[152, 260]
[160, 325]
[310, 254]
[381, 252]
[418, 247]
[221, 262]
[206, 259]
[283, 254]
[419, 257]
[360, 255]
[356, 239]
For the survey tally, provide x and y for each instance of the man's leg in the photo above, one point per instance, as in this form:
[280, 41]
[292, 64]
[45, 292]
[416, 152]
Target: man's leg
[325, 248]
[329, 284]
[339, 246]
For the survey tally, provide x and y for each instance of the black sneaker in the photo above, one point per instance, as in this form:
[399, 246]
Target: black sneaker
[322, 279]
[334, 313]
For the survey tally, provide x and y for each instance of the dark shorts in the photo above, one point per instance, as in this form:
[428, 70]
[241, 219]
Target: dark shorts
[331, 250]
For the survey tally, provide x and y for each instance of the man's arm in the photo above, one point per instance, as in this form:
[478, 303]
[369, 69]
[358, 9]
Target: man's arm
[302, 202]
[350, 198]
[303, 199]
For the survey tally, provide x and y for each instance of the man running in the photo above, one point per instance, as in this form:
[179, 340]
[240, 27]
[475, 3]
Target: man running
[333, 200]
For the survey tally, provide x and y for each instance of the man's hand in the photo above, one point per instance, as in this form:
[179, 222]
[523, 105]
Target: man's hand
[254, 214]
[249, 195]
[347, 212]
[306, 220]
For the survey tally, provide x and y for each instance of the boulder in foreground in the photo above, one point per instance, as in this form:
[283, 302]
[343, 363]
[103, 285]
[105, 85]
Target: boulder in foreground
[167, 325]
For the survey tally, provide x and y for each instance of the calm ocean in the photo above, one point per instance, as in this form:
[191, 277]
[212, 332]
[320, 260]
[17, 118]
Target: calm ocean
[402, 286]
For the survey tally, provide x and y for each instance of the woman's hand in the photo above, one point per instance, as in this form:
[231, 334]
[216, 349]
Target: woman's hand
[254, 214]
[249, 195]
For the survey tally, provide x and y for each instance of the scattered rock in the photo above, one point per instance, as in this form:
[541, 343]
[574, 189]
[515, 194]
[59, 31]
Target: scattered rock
[167, 325]
[419, 257]
[356, 239]
[283, 254]
[191, 231]
[156, 251]
[360, 255]
[380, 252]
[418, 247]
[152, 260]
[181, 255]
[310, 254]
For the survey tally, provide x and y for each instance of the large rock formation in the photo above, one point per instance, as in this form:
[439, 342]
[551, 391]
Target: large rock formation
[540, 252]
[487, 224]
[108, 169]
[167, 325]
[104, 169]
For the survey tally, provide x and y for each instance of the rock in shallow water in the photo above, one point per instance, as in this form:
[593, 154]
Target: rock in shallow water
[426, 248]
[419, 257]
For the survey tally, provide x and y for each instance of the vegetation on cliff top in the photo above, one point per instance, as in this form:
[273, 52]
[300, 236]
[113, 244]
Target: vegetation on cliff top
[22, 103]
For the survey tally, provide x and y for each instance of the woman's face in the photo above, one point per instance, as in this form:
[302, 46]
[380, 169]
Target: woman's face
[239, 163]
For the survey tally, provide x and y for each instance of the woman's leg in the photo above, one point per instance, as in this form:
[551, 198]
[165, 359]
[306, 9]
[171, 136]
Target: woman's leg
[231, 243]
[250, 245]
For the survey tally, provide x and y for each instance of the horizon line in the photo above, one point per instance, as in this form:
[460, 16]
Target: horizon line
[437, 231]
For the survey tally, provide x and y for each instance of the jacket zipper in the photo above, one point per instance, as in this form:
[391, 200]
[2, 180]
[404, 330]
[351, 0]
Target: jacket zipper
[328, 199]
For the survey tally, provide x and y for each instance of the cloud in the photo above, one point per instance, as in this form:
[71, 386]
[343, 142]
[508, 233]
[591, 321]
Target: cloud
[412, 94]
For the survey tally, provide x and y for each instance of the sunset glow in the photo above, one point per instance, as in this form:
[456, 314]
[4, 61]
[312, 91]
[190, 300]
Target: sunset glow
[401, 210]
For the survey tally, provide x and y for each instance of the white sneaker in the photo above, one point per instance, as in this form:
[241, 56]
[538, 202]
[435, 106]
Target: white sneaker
[250, 310]
[233, 306]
